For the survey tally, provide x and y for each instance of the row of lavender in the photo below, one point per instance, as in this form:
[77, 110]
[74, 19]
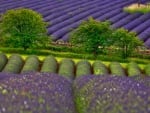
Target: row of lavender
[65, 15]
[67, 67]
[50, 93]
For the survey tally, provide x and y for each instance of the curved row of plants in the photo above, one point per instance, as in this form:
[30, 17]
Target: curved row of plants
[50, 93]
[67, 67]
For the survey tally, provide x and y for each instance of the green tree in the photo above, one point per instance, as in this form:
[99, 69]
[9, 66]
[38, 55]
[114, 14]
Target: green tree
[125, 41]
[92, 35]
[22, 28]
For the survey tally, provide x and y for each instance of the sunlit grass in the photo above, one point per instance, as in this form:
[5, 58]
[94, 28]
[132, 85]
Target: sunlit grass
[134, 8]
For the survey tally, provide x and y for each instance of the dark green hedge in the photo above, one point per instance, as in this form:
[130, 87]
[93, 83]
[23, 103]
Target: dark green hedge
[83, 67]
[49, 65]
[133, 69]
[14, 64]
[67, 68]
[116, 69]
[99, 68]
[31, 65]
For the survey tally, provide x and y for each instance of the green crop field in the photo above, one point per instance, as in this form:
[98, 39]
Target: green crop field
[69, 67]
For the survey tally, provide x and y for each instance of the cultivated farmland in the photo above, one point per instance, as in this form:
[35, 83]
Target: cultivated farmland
[47, 84]
[65, 15]
[15, 64]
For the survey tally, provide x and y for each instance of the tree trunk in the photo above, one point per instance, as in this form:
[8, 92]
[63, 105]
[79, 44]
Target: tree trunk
[95, 55]
[139, 3]
[123, 53]
[126, 51]
[25, 48]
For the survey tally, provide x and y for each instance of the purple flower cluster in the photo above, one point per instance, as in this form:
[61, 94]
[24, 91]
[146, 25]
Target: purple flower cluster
[108, 94]
[142, 79]
[51, 93]
[35, 93]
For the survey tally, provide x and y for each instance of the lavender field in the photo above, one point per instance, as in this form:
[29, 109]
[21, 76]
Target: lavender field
[33, 81]
[65, 15]
[51, 93]
[95, 94]
[35, 93]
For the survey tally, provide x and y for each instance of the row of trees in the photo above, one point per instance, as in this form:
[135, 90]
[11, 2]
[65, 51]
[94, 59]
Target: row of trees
[26, 28]
[97, 37]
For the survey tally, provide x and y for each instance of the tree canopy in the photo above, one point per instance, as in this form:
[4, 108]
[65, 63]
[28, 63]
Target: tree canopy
[125, 41]
[97, 37]
[22, 28]
[92, 35]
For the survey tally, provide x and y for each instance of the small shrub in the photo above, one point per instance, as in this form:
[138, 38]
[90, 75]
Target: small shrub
[66, 68]
[99, 68]
[31, 64]
[49, 65]
[3, 61]
[116, 69]
[133, 69]
[83, 68]
[14, 64]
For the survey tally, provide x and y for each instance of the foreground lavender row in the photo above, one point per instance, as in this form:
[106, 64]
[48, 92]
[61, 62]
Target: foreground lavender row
[65, 15]
[35, 93]
[95, 94]
[51, 93]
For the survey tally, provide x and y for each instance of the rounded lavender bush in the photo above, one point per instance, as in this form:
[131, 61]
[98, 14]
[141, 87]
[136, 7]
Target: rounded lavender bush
[35, 93]
[103, 94]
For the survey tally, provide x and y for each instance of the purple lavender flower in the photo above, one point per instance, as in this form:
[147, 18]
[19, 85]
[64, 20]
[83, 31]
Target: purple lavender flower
[36, 93]
[108, 94]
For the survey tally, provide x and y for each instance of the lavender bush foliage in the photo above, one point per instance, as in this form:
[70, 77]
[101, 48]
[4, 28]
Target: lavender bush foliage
[142, 79]
[103, 94]
[35, 93]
